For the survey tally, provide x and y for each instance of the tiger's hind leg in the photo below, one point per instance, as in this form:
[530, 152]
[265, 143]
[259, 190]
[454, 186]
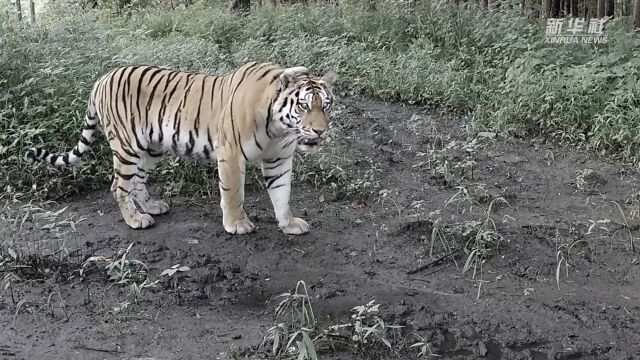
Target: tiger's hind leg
[141, 194]
[125, 192]
[130, 190]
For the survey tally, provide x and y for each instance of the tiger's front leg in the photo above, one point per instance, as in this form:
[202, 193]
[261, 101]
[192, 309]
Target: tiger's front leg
[277, 177]
[231, 170]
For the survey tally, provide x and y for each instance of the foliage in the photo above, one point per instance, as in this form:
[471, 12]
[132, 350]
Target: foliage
[296, 334]
[493, 67]
[284, 334]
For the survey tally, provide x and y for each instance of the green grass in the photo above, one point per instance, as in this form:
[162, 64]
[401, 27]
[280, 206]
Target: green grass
[494, 68]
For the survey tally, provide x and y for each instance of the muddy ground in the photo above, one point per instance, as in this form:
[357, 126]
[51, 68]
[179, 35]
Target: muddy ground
[560, 221]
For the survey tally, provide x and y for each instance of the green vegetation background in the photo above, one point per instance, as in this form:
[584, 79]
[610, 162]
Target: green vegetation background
[493, 69]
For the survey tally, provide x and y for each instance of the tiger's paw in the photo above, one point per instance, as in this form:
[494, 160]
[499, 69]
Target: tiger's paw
[139, 221]
[239, 227]
[156, 207]
[296, 226]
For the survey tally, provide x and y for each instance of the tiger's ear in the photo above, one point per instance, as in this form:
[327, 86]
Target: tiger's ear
[330, 77]
[290, 75]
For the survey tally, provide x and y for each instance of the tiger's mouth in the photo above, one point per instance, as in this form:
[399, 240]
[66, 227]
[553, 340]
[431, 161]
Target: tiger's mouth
[309, 142]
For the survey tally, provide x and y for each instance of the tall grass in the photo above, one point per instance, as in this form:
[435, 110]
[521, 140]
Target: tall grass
[495, 68]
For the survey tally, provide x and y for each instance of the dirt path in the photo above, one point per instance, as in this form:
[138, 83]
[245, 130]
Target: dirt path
[562, 209]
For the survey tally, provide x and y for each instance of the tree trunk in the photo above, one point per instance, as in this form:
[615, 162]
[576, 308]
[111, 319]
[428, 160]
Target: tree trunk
[585, 9]
[574, 8]
[241, 5]
[636, 15]
[19, 10]
[547, 8]
[609, 7]
[32, 12]
[555, 8]
[567, 7]
[534, 8]
[600, 9]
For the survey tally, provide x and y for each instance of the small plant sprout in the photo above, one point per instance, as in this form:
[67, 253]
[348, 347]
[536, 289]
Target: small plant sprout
[564, 249]
[423, 347]
[172, 271]
[581, 181]
[362, 332]
[366, 327]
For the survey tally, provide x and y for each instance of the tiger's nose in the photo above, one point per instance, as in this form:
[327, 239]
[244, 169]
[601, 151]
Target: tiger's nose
[319, 131]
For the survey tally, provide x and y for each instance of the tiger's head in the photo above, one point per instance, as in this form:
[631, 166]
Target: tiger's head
[303, 105]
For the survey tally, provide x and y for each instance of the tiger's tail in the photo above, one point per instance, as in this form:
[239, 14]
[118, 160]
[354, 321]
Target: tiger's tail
[72, 157]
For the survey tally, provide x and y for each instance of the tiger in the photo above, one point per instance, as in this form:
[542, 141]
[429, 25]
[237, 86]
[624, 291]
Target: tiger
[259, 112]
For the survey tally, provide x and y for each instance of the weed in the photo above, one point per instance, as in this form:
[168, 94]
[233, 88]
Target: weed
[112, 316]
[7, 283]
[633, 201]
[174, 269]
[368, 325]
[479, 238]
[626, 226]
[423, 347]
[298, 305]
[174, 272]
[326, 171]
[27, 306]
[482, 239]
[299, 338]
[136, 289]
[440, 231]
[124, 271]
[570, 242]
[580, 181]
[50, 305]
[366, 328]
[564, 249]
[27, 256]
[284, 335]
[461, 198]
